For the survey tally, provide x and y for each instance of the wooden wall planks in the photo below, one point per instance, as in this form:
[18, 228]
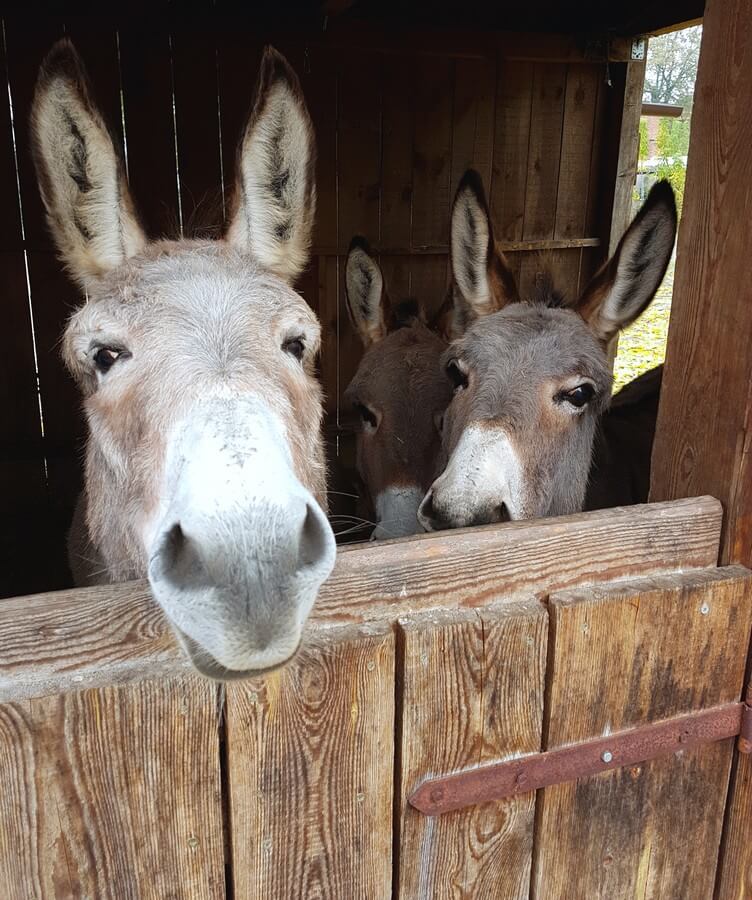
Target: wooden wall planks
[396, 126]
[93, 807]
[311, 757]
[456, 668]
[615, 663]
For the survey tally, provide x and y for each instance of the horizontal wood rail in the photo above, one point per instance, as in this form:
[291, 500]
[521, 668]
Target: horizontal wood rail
[443, 249]
[117, 633]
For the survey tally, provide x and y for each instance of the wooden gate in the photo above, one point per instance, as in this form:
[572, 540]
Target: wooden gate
[124, 775]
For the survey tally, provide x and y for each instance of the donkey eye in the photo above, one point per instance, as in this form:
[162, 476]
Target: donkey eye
[579, 396]
[106, 357]
[456, 375]
[295, 347]
[367, 416]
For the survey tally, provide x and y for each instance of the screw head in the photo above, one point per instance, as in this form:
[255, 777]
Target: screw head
[437, 795]
[607, 756]
[705, 609]
[521, 778]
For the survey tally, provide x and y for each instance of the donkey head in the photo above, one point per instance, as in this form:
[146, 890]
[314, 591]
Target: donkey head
[531, 379]
[397, 397]
[204, 464]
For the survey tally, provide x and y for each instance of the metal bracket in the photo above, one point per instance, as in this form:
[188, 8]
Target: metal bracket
[638, 49]
[625, 748]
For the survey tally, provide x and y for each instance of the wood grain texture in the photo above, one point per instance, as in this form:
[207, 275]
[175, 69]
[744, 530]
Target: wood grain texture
[114, 634]
[473, 119]
[310, 772]
[397, 126]
[471, 691]
[433, 89]
[614, 663]
[359, 148]
[629, 148]
[112, 793]
[711, 325]
[514, 95]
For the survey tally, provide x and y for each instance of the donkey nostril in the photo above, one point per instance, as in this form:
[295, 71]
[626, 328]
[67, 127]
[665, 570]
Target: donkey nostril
[313, 539]
[176, 559]
[427, 513]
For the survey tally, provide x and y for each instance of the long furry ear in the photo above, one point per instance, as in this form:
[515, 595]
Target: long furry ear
[81, 177]
[367, 301]
[626, 284]
[275, 193]
[482, 280]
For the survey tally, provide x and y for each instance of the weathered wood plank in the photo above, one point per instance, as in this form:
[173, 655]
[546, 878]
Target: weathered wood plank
[397, 154]
[514, 95]
[116, 633]
[472, 686]
[615, 662]
[310, 772]
[473, 119]
[433, 87]
[112, 793]
[629, 148]
[359, 148]
[709, 339]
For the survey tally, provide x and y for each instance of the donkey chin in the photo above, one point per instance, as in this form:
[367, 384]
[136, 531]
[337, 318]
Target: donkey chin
[242, 547]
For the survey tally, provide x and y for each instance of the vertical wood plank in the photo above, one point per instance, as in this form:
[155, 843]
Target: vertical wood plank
[319, 79]
[472, 692]
[433, 87]
[473, 119]
[428, 280]
[615, 663]
[514, 95]
[53, 297]
[112, 793]
[194, 65]
[397, 154]
[359, 148]
[22, 483]
[146, 69]
[708, 342]
[574, 169]
[310, 770]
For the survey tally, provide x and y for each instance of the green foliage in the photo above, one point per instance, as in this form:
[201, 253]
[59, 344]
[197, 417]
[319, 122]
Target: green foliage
[673, 137]
[675, 172]
[672, 66]
[643, 139]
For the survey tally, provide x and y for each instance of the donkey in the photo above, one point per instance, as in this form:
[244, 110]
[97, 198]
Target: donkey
[397, 397]
[531, 379]
[204, 460]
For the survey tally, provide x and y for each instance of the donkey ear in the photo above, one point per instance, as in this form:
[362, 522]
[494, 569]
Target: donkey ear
[483, 282]
[275, 194]
[367, 302]
[626, 284]
[81, 177]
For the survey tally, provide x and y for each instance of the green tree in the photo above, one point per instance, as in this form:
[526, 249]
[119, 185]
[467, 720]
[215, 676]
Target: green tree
[672, 66]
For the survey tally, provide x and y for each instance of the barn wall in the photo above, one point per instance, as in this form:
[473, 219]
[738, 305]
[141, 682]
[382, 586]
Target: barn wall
[398, 120]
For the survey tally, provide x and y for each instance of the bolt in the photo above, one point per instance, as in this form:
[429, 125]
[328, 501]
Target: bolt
[521, 778]
[607, 756]
[704, 609]
[437, 795]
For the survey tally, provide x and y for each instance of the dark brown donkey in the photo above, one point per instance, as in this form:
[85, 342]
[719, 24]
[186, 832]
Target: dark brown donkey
[397, 397]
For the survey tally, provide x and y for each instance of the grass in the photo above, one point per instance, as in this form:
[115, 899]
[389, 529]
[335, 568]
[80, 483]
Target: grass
[643, 345]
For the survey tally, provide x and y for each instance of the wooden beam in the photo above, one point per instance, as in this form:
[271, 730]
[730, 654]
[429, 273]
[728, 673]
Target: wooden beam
[629, 148]
[115, 634]
[662, 110]
[703, 439]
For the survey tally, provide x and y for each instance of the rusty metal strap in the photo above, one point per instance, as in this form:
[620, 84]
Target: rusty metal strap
[625, 748]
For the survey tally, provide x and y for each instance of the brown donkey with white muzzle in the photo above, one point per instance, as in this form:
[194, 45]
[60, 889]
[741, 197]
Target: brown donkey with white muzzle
[204, 461]
[396, 398]
[531, 379]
